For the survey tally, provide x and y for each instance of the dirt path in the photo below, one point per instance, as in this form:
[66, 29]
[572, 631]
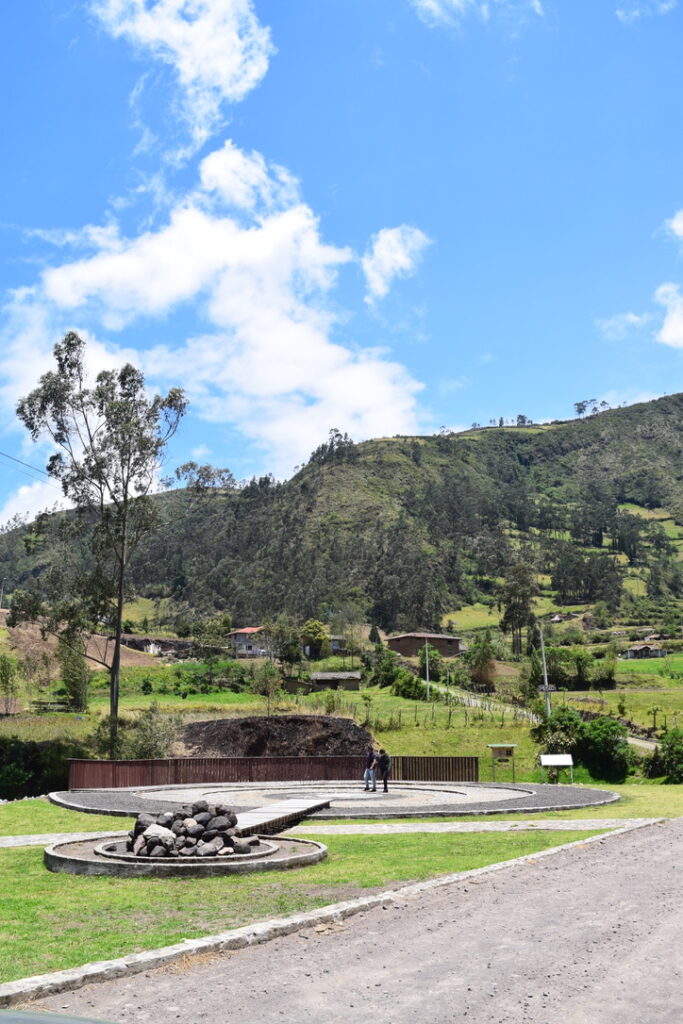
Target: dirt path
[589, 936]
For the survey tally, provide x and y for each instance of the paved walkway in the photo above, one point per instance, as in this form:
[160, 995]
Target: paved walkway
[400, 828]
[47, 838]
[548, 825]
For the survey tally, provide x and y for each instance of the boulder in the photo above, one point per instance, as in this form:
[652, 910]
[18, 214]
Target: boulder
[199, 806]
[158, 832]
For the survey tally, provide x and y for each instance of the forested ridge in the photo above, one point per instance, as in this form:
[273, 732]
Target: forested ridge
[408, 529]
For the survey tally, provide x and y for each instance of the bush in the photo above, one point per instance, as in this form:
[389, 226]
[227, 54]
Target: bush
[671, 755]
[148, 736]
[603, 749]
[409, 686]
[28, 768]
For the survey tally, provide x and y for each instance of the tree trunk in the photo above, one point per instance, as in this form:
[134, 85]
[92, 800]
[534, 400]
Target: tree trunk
[116, 657]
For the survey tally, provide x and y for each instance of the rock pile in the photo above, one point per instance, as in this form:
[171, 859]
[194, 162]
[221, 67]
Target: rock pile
[200, 830]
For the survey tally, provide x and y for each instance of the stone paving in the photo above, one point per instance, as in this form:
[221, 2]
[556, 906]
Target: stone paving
[46, 838]
[397, 828]
[538, 825]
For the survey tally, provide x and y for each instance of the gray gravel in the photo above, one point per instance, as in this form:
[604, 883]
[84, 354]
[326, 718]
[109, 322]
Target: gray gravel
[539, 798]
[590, 935]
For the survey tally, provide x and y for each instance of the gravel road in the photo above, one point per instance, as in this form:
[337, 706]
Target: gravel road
[591, 935]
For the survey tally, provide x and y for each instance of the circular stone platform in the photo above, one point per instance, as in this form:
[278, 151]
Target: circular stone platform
[109, 857]
[347, 799]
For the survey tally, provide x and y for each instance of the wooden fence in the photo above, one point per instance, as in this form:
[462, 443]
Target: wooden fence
[178, 771]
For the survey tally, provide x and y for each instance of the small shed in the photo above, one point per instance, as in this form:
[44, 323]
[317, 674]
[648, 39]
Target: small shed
[645, 651]
[335, 681]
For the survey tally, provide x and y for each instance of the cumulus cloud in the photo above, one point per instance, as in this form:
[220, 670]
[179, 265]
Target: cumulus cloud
[632, 12]
[450, 12]
[245, 181]
[217, 48]
[622, 324]
[675, 225]
[669, 296]
[393, 252]
[31, 499]
[244, 254]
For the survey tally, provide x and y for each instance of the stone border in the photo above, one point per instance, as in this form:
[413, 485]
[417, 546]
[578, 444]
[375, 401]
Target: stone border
[42, 985]
[72, 864]
[542, 797]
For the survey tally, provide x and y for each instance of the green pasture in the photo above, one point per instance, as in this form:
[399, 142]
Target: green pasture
[55, 921]
[638, 703]
[666, 672]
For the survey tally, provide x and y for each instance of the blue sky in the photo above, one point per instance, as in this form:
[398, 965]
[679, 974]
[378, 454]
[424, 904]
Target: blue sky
[385, 216]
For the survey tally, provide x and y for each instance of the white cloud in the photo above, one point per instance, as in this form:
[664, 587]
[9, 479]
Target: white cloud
[671, 332]
[622, 324]
[217, 48]
[675, 225]
[450, 12]
[245, 180]
[244, 254]
[201, 451]
[394, 252]
[30, 500]
[637, 9]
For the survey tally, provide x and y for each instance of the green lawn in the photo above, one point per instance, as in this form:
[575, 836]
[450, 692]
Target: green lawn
[54, 921]
[24, 817]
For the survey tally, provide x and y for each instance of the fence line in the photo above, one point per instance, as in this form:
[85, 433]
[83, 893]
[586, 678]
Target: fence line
[187, 770]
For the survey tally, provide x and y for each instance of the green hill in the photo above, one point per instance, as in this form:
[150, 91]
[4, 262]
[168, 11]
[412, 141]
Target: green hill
[409, 529]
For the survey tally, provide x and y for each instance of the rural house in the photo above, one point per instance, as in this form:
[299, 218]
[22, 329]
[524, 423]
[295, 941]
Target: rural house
[409, 644]
[645, 651]
[248, 642]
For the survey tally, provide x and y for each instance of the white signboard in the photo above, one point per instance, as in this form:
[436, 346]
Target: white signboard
[556, 761]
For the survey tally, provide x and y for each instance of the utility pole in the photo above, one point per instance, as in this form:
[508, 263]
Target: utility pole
[2, 591]
[427, 666]
[546, 690]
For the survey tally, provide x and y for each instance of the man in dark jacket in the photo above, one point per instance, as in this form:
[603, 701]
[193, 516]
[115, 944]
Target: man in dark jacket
[384, 767]
[370, 776]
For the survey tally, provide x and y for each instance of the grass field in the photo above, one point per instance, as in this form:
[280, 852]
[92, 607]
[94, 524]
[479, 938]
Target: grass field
[54, 921]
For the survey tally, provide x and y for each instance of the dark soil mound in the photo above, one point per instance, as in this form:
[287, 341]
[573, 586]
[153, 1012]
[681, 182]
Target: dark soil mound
[279, 736]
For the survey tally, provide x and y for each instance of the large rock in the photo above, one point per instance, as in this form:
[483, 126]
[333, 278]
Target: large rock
[158, 832]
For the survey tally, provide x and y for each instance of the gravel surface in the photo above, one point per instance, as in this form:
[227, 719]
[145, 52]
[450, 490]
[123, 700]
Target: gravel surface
[536, 798]
[590, 935]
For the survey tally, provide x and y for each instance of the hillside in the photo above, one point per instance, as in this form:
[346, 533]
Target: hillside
[408, 530]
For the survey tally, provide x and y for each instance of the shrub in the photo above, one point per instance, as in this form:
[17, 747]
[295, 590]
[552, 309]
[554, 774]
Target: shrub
[603, 749]
[28, 768]
[671, 755]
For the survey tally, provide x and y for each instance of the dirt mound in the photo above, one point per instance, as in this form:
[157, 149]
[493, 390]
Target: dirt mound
[278, 736]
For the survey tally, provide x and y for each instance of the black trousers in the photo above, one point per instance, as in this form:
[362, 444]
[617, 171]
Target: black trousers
[385, 776]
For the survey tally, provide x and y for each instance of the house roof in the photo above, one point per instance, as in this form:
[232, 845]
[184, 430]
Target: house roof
[644, 647]
[320, 677]
[246, 629]
[424, 636]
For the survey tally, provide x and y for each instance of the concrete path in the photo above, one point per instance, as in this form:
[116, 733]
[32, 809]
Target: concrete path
[403, 828]
[47, 838]
[589, 935]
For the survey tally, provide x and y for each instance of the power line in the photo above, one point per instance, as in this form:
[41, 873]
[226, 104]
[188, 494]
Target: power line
[34, 470]
[27, 464]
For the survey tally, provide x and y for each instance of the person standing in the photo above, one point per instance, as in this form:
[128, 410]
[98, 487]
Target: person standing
[384, 767]
[370, 775]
